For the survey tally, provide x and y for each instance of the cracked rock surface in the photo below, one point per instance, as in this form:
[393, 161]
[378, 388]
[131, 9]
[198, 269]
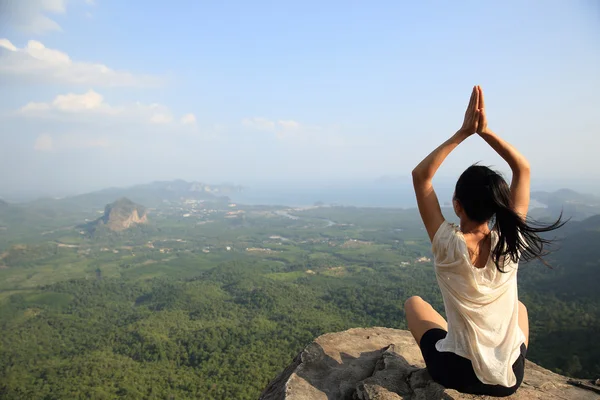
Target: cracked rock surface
[386, 364]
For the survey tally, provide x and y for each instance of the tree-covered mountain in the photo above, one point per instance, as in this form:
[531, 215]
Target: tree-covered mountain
[29, 222]
[574, 261]
[18, 221]
[153, 195]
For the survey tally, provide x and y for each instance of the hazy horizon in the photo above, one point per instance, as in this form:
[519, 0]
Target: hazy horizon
[381, 192]
[97, 94]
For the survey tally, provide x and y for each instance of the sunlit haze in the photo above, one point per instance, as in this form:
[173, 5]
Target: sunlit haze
[112, 93]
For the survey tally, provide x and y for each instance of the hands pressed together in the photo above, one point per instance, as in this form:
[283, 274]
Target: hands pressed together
[475, 118]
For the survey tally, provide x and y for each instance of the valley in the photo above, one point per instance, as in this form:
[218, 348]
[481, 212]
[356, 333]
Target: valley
[207, 298]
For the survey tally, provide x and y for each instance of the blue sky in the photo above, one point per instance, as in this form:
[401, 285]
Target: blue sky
[109, 93]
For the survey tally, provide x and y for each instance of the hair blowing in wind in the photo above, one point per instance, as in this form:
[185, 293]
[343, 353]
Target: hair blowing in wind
[484, 194]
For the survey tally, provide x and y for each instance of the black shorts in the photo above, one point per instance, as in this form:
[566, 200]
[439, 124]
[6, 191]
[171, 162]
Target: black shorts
[455, 372]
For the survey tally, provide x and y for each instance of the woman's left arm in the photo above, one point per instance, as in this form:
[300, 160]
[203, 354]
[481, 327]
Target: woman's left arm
[429, 206]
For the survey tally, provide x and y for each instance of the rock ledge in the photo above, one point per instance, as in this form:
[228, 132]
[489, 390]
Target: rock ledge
[386, 364]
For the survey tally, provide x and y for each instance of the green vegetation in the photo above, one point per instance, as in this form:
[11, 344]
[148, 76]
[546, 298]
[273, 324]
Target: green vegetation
[208, 300]
[572, 204]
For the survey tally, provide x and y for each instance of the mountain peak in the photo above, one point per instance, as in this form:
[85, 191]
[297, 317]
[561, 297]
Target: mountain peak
[120, 215]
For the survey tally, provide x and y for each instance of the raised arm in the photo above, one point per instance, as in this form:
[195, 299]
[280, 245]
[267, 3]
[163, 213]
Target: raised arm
[521, 174]
[427, 200]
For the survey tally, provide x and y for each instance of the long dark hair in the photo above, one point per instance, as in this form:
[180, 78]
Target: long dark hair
[483, 194]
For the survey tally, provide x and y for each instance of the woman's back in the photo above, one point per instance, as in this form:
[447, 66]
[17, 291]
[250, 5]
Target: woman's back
[479, 246]
[481, 307]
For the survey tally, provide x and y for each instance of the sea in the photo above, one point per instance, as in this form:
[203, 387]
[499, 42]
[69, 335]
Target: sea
[358, 194]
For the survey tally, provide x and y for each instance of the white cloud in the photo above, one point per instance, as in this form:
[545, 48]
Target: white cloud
[91, 104]
[71, 102]
[29, 16]
[289, 125]
[259, 124]
[74, 102]
[49, 143]
[161, 118]
[36, 62]
[43, 143]
[188, 119]
[281, 128]
[90, 108]
[295, 133]
[5, 43]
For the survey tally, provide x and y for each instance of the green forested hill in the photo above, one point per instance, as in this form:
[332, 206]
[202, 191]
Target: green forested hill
[153, 194]
[572, 204]
[223, 334]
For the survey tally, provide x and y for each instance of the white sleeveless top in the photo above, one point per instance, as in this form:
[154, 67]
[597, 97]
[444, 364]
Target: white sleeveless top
[481, 308]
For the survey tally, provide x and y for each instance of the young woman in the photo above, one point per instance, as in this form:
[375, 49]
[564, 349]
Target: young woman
[481, 349]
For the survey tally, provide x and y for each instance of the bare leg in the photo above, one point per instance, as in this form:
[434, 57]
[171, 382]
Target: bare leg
[421, 317]
[524, 322]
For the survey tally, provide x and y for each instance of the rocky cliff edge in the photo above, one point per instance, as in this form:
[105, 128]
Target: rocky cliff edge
[386, 364]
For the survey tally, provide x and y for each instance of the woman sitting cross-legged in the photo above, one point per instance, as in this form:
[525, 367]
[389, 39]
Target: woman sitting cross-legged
[482, 347]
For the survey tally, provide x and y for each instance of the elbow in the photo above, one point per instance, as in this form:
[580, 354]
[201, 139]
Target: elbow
[521, 167]
[524, 169]
[418, 176]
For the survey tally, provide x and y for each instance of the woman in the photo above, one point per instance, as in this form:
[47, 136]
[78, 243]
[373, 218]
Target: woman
[482, 347]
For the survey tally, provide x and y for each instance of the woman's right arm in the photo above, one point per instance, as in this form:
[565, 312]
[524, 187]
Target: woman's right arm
[520, 185]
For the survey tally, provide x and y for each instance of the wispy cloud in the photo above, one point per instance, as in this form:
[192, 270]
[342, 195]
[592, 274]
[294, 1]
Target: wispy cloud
[161, 118]
[90, 106]
[188, 119]
[38, 63]
[59, 142]
[291, 130]
[76, 121]
[43, 143]
[32, 16]
[71, 102]
[280, 128]
[259, 124]
[29, 16]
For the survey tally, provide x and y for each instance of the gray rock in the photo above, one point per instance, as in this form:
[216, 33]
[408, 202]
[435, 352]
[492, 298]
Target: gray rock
[386, 364]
